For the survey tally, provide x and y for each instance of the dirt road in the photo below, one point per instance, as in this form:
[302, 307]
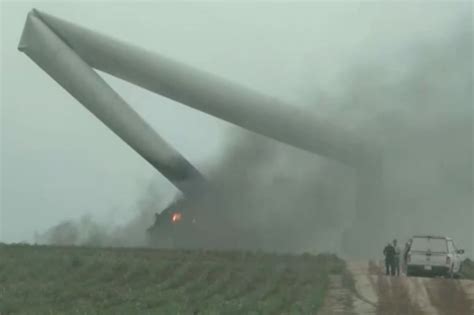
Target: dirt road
[366, 290]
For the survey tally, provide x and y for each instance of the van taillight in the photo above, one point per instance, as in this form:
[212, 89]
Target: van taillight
[448, 260]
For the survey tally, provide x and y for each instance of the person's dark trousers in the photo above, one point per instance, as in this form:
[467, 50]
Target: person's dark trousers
[392, 267]
[396, 266]
[388, 267]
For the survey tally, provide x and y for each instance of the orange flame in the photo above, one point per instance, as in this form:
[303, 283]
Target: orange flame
[176, 217]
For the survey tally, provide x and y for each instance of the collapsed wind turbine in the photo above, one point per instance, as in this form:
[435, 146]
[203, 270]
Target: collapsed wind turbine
[68, 53]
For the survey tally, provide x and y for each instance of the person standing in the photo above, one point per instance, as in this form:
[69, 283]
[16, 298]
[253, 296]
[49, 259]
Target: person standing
[406, 251]
[396, 260]
[389, 253]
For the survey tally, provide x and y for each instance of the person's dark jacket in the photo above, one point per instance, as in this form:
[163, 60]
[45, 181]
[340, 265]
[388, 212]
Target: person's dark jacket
[389, 252]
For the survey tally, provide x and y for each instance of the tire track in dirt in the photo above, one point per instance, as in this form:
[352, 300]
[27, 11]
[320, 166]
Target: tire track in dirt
[448, 297]
[412, 295]
[468, 286]
[393, 297]
[417, 291]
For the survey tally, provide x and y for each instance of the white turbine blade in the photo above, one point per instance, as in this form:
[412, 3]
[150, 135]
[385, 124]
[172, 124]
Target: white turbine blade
[55, 57]
[210, 94]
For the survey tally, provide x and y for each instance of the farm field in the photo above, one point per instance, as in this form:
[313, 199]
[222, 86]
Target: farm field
[80, 280]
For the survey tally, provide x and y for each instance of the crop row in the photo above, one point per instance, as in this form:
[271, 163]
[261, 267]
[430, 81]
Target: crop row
[39, 279]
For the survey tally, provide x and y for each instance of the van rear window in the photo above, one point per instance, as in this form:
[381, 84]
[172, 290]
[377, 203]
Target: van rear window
[436, 245]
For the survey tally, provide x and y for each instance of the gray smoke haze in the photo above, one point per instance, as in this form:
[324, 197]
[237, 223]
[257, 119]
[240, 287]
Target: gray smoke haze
[87, 231]
[421, 118]
[419, 112]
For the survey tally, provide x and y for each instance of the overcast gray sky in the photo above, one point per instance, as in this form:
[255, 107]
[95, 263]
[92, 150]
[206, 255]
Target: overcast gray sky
[59, 162]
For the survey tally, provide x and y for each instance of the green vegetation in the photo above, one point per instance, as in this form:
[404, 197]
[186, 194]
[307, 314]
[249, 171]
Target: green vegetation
[79, 280]
[467, 269]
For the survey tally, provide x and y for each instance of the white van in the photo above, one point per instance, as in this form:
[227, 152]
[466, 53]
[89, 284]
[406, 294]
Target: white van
[433, 256]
